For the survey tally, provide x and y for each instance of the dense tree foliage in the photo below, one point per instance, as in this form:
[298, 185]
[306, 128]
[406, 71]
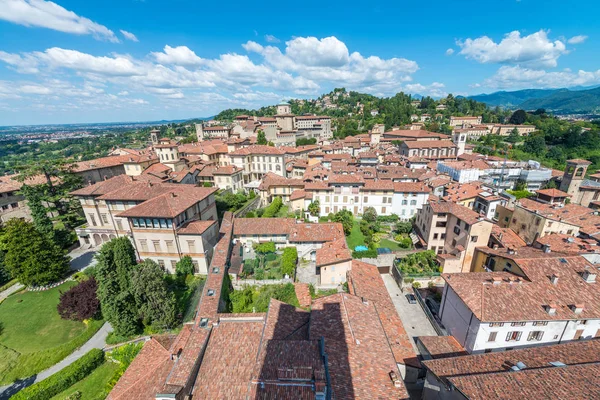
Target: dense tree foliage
[30, 256]
[185, 266]
[261, 138]
[79, 302]
[369, 214]
[155, 304]
[116, 262]
[314, 208]
[289, 260]
[273, 208]
[305, 141]
[346, 218]
[518, 117]
[132, 295]
[257, 299]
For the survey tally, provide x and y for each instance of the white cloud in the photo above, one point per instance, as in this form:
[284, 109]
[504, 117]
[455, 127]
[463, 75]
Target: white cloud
[34, 89]
[436, 89]
[252, 47]
[46, 14]
[271, 39]
[302, 66]
[180, 55]
[310, 51]
[515, 77]
[577, 39]
[535, 50]
[76, 60]
[449, 52]
[26, 64]
[129, 36]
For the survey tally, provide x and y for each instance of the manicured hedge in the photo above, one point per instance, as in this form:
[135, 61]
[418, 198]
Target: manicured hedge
[63, 379]
[371, 253]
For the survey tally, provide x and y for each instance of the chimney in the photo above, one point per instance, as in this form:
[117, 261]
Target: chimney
[546, 248]
[554, 279]
[496, 280]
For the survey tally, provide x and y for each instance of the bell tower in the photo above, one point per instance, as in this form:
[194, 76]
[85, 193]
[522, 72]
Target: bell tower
[573, 176]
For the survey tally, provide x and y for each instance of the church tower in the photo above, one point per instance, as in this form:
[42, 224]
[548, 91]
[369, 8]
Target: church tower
[573, 176]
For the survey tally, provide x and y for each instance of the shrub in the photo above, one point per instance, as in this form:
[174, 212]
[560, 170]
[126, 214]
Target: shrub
[259, 274]
[370, 214]
[63, 379]
[409, 280]
[184, 266]
[289, 260]
[371, 253]
[79, 302]
[273, 208]
[387, 218]
[263, 248]
[403, 227]
[416, 285]
[250, 214]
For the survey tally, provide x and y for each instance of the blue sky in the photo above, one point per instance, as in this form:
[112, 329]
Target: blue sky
[132, 60]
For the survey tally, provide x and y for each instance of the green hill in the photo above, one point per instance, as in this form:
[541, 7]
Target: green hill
[513, 99]
[567, 101]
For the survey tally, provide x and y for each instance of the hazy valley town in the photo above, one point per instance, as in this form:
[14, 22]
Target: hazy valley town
[329, 230]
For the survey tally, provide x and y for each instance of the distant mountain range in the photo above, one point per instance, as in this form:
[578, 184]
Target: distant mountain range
[576, 100]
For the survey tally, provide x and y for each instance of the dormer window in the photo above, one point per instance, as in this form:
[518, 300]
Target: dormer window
[210, 292]
[550, 309]
[215, 270]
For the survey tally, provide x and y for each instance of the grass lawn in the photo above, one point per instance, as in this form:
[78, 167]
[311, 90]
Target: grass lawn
[91, 387]
[356, 238]
[33, 337]
[390, 245]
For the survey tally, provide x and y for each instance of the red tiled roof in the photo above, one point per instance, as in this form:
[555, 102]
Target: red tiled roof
[303, 294]
[257, 149]
[262, 226]
[197, 227]
[442, 346]
[566, 383]
[365, 281]
[525, 298]
[360, 359]
[170, 204]
[114, 183]
[553, 193]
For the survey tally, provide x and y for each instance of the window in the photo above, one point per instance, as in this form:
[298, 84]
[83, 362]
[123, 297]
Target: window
[499, 324]
[514, 336]
[457, 230]
[335, 199]
[517, 324]
[144, 245]
[383, 210]
[173, 265]
[540, 323]
[474, 238]
[191, 246]
[413, 202]
[92, 219]
[535, 336]
[156, 245]
[466, 226]
[440, 224]
[170, 247]
[161, 263]
[435, 235]
[365, 200]
[356, 199]
[443, 236]
[492, 337]
[104, 218]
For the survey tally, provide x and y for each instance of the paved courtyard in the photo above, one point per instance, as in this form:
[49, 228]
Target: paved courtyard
[412, 315]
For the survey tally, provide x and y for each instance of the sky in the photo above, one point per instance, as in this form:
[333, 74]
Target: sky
[74, 61]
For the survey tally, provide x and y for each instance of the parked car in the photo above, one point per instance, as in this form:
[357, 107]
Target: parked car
[411, 298]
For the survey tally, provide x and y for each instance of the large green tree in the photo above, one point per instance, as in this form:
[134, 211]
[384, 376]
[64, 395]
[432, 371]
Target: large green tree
[261, 138]
[116, 262]
[30, 256]
[155, 303]
[346, 219]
